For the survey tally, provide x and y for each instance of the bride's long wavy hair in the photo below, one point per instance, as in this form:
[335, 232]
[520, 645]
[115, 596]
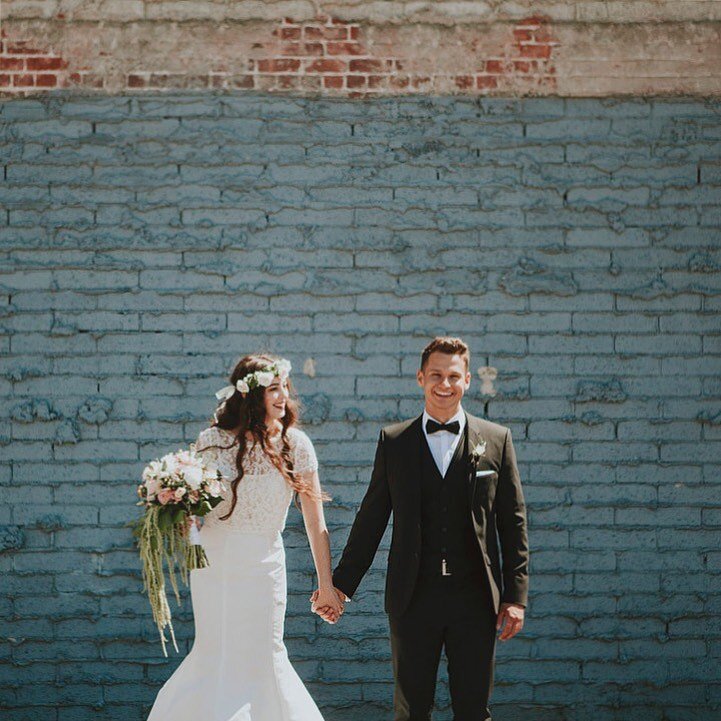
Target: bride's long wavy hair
[246, 415]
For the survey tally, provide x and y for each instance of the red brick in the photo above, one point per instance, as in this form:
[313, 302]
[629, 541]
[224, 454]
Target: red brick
[136, 81]
[23, 81]
[45, 63]
[326, 65]
[335, 48]
[5, 81]
[312, 32]
[521, 66]
[23, 47]
[287, 33]
[367, 65]
[535, 51]
[356, 81]
[12, 64]
[486, 81]
[463, 81]
[301, 49]
[278, 65]
[542, 35]
[46, 81]
[243, 81]
[325, 33]
[523, 34]
[333, 81]
[494, 66]
[337, 32]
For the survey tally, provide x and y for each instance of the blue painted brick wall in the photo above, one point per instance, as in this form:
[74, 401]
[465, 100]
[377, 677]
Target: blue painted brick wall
[147, 242]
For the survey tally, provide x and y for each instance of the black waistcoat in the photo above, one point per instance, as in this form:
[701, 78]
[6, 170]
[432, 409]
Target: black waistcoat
[446, 526]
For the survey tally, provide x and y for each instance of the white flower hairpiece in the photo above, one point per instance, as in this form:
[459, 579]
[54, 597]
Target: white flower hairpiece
[263, 377]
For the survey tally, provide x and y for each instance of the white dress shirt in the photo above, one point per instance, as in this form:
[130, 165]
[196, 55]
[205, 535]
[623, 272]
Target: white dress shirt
[443, 443]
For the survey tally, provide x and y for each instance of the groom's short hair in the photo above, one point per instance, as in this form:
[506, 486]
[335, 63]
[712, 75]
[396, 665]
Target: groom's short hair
[449, 345]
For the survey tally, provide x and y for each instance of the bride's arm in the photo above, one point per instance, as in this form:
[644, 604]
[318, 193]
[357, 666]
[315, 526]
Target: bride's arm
[319, 539]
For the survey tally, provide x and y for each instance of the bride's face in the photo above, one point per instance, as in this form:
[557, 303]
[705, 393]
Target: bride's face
[276, 397]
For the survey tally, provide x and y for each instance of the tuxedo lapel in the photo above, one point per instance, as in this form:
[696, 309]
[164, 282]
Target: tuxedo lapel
[412, 462]
[474, 437]
[460, 452]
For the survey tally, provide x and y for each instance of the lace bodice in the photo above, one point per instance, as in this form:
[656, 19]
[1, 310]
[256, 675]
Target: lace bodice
[263, 494]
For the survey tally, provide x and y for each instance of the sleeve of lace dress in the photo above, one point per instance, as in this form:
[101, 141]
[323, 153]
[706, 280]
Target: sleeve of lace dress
[305, 460]
[204, 439]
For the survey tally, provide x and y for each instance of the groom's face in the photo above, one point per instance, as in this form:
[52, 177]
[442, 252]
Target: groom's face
[444, 380]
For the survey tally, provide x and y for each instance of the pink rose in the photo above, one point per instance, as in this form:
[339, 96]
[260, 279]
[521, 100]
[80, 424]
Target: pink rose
[166, 496]
[179, 493]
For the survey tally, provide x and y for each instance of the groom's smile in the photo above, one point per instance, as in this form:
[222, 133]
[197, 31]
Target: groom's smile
[444, 379]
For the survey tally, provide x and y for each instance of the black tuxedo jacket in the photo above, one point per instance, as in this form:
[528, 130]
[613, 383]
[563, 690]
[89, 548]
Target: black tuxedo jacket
[496, 503]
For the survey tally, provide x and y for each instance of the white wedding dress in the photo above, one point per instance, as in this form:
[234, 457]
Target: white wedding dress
[238, 668]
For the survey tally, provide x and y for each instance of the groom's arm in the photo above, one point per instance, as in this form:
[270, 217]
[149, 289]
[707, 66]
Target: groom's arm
[512, 527]
[368, 528]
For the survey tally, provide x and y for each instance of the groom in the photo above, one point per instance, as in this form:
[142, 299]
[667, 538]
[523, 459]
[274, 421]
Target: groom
[451, 481]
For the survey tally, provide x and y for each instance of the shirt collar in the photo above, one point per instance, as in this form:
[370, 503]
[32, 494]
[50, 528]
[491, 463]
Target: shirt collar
[460, 416]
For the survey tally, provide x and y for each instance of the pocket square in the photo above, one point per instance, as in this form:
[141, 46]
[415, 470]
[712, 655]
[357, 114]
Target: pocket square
[480, 474]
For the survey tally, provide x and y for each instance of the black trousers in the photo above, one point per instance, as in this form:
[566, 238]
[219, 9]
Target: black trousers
[460, 618]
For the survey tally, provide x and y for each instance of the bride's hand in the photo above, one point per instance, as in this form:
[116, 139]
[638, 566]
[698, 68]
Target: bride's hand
[328, 604]
[190, 521]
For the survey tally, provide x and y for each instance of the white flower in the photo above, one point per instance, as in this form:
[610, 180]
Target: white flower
[215, 487]
[151, 471]
[480, 448]
[265, 378]
[242, 386]
[171, 463]
[283, 367]
[193, 476]
[152, 486]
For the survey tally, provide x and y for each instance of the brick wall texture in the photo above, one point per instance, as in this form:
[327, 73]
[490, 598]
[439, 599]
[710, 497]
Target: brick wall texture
[355, 49]
[148, 241]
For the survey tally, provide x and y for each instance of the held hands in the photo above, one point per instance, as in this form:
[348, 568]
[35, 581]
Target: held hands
[328, 603]
[513, 615]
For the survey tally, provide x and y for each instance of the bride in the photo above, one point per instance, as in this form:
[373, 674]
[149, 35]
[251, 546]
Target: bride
[238, 668]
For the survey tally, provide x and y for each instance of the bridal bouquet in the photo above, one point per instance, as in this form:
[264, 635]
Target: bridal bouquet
[174, 488]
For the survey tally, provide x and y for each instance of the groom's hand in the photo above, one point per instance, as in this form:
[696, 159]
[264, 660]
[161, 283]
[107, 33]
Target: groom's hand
[329, 609]
[513, 615]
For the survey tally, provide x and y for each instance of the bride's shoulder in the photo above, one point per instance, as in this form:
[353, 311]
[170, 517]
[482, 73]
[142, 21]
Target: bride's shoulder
[298, 436]
[303, 450]
[212, 436]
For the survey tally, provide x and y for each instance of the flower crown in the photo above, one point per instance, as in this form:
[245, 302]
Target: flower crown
[263, 377]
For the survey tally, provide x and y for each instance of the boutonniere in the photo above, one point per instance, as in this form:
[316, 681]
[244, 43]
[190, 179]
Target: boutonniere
[477, 452]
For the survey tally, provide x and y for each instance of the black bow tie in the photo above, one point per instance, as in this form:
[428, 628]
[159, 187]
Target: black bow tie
[452, 427]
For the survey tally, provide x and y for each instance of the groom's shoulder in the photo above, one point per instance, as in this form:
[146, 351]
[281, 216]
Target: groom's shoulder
[394, 430]
[488, 428]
